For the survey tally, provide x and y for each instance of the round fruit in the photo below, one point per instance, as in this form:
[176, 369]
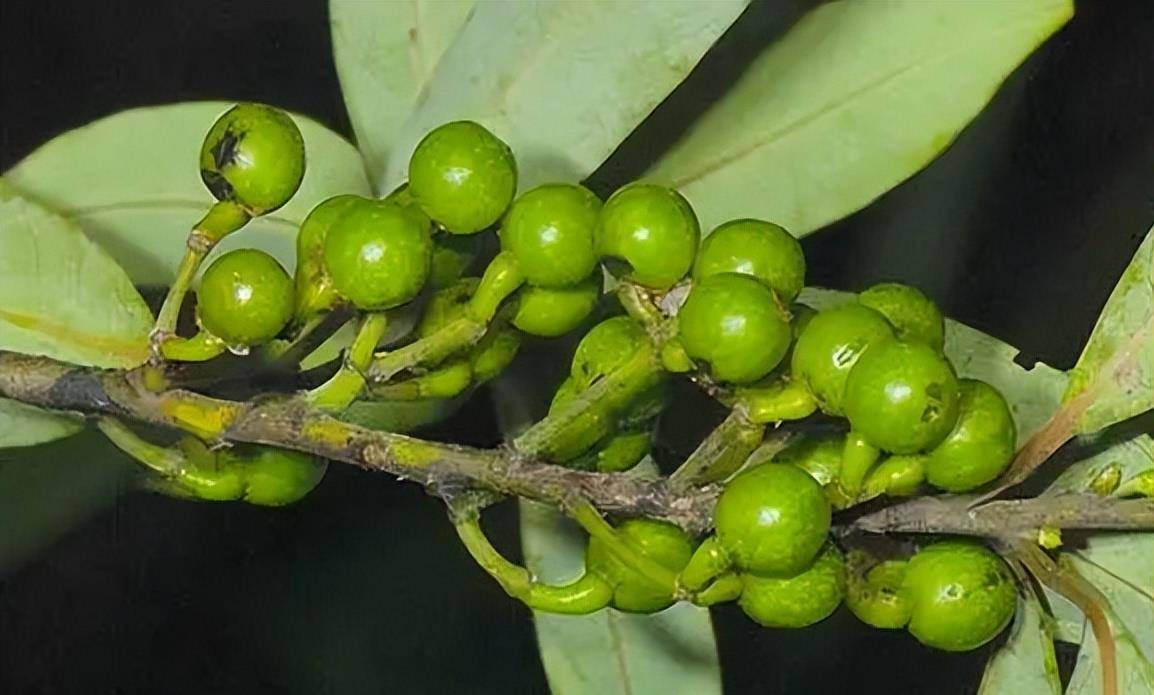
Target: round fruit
[757, 248]
[877, 599]
[276, 477]
[549, 230]
[245, 298]
[314, 290]
[632, 592]
[902, 397]
[981, 444]
[830, 346]
[772, 520]
[800, 600]
[606, 346]
[253, 156]
[622, 452]
[914, 316]
[651, 231]
[820, 456]
[378, 254]
[554, 312]
[463, 176]
[733, 322]
[961, 595]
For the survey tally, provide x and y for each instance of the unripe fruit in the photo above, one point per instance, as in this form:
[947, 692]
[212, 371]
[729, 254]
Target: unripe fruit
[913, 315]
[632, 592]
[463, 176]
[772, 520]
[314, 287]
[981, 444]
[606, 346]
[757, 248]
[830, 345]
[550, 313]
[877, 598]
[378, 254]
[276, 477]
[245, 298]
[254, 156]
[902, 397]
[734, 323]
[549, 230]
[648, 234]
[798, 601]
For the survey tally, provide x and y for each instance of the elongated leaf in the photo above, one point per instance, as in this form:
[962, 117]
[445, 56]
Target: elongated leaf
[385, 52]
[24, 425]
[1114, 377]
[61, 295]
[854, 99]
[1026, 664]
[132, 182]
[1033, 394]
[611, 652]
[562, 82]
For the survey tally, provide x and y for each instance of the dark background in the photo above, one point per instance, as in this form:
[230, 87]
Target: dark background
[1020, 229]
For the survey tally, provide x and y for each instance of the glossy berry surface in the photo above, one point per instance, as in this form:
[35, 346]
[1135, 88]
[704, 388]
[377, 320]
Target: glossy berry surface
[772, 520]
[549, 230]
[254, 156]
[798, 601]
[648, 234]
[276, 477]
[606, 346]
[877, 598]
[914, 315]
[902, 397]
[757, 248]
[961, 595]
[830, 345]
[981, 443]
[820, 456]
[550, 313]
[245, 298]
[378, 254]
[733, 323]
[463, 176]
[314, 291]
[632, 592]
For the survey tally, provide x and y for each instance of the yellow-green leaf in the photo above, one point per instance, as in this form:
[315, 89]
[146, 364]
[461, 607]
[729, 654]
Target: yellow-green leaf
[562, 83]
[132, 181]
[854, 99]
[25, 425]
[385, 52]
[1114, 378]
[61, 295]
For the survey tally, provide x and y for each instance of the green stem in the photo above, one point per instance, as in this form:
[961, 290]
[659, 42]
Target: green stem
[447, 381]
[222, 219]
[706, 564]
[503, 277]
[166, 461]
[342, 389]
[453, 337]
[201, 347]
[858, 457]
[721, 454]
[621, 547]
[899, 476]
[784, 399]
[726, 588]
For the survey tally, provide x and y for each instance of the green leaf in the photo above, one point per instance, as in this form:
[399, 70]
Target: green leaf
[1114, 377]
[25, 425]
[132, 182]
[385, 51]
[611, 652]
[61, 295]
[854, 99]
[1026, 664]
[1129, 458]
[1033, 394]
[562, 83]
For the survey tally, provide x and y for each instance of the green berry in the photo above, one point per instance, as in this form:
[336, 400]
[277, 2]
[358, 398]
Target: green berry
[276, 477]
[549, 230]
[981, 444]
[245, 298]
[902, 397]
[800, 600]
[622, 452]
[314, 288]
[550, 313]
[830, 345]
[254, 156]
[378, 254]
[463, 176]
[606, 346]
[772, 520]
[650, 234]
[877, 598]
[632, 592]
[757, 248]
[820, 456]
[734, 323]
[493, 353]
[961, 595]
[914, 316]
